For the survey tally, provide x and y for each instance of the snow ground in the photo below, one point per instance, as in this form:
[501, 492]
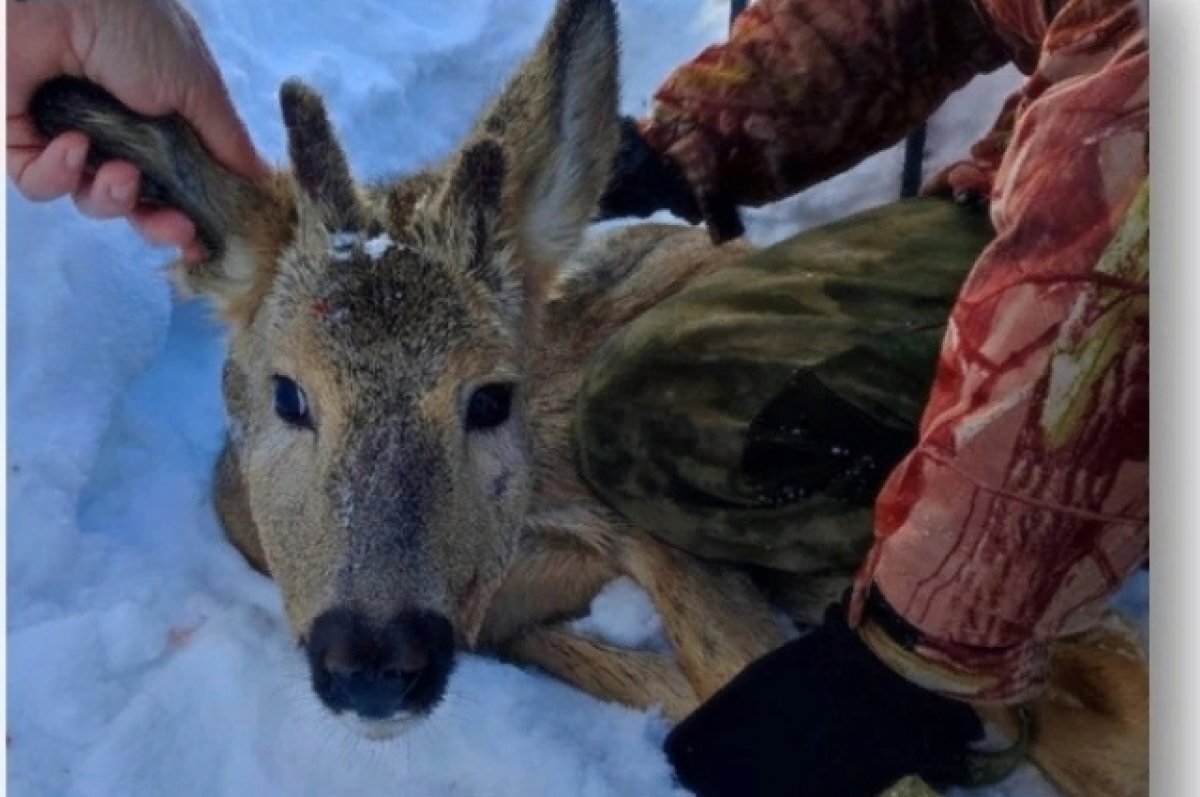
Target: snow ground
[145, 658]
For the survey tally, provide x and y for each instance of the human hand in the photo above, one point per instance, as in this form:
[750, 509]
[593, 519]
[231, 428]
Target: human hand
[151, 56]
[821, 715]
[644, 182]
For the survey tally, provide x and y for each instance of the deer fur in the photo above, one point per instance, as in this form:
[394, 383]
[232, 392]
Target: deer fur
[1091, 725]
[388, 303]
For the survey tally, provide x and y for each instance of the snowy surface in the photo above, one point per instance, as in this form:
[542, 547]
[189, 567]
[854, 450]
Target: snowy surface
[144, 657]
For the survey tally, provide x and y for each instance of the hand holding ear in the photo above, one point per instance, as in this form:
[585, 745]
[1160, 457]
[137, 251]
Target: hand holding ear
[150, 55]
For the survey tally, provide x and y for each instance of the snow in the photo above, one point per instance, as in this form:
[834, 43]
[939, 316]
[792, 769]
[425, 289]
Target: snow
[376, 246]
[343, 243]
[145, 657]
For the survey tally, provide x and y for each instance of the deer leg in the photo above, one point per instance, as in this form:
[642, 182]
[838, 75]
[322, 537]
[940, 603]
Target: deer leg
[1091, 725]
[716, 618]
[633, 678]
[556, 579]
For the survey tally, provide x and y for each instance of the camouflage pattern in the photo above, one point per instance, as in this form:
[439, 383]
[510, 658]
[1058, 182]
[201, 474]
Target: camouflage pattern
[912, 786]
[1025, 503]
[804, 89]
[754, 416]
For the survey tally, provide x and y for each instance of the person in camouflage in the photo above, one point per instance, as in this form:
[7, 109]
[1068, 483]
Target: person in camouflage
[952, 413]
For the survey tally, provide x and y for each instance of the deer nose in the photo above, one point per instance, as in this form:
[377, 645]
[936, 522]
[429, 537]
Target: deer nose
[377, 671]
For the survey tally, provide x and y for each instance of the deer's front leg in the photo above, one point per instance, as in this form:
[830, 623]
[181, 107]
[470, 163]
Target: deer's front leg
[716, 619]
[634, 678]
[556, 578]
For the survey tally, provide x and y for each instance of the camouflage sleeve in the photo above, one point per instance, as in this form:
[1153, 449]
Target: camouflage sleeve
[804, 89]
[1025, 505]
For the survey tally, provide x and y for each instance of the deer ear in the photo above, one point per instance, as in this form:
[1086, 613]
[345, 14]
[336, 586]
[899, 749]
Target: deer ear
[319, 164]
[559, 122]
[470, 205]
[241, 223]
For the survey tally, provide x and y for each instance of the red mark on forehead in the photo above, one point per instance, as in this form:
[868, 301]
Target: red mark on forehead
[320, 308]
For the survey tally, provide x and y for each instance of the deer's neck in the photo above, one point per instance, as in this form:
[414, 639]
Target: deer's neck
[615, 279]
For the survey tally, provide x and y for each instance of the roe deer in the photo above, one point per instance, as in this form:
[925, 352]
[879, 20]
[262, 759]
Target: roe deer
[403, 364]
[404, 360]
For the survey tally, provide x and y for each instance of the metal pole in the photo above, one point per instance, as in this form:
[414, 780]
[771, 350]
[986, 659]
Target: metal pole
[736, 7]
[914, 156]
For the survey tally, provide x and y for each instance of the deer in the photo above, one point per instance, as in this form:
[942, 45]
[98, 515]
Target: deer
[403, 364]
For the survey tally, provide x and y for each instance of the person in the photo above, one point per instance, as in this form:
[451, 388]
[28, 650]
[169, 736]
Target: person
[954, 417]
[151, 56]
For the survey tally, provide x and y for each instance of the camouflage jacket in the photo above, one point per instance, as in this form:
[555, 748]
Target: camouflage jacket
[1026, 502]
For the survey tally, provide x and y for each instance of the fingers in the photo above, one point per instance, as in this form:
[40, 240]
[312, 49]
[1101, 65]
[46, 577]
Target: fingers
[162, 227]
[195, 252]
[42, 174]
[39, 47]
[209, 109]
[138, 52]
[226, 137]
[56, 170]
[111, 193]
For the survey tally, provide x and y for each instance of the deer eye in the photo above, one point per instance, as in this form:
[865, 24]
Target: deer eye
[489, 406]
[290, 402]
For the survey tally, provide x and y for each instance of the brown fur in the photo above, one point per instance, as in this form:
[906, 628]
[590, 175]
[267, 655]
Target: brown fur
[388, 503]
[1092, 724]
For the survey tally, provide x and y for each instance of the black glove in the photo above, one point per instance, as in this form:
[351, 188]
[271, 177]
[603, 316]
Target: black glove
[645, 182]
[821, 716]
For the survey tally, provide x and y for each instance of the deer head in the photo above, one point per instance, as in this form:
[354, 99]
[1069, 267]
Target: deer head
[376, 381]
